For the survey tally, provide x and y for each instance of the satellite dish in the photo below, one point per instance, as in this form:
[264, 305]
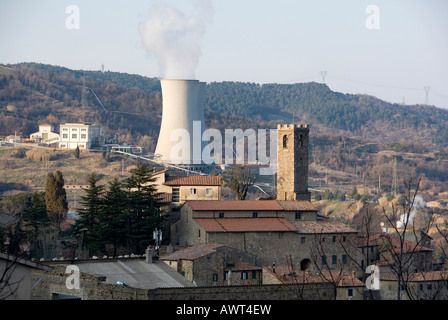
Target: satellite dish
[382, 224]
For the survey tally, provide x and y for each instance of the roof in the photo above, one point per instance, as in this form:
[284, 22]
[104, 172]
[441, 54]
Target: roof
[242, 266]
[193, 181]
[234, 205]
[136, 273]
[441, 275]
[286, 275]
[322, 226]
[193, 252]
[245, 224]
[391, 242]
[296, 205]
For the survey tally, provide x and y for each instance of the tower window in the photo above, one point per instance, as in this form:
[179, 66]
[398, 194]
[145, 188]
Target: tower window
[285, 141]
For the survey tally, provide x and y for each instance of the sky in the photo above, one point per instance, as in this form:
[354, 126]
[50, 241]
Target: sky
[396, 50]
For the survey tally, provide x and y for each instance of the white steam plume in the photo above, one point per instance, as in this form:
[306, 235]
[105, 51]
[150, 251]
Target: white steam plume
[407, 219]
[174, 38]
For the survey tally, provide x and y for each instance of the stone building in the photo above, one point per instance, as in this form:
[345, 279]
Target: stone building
[215, 264]
[271, 230]
[345, 285]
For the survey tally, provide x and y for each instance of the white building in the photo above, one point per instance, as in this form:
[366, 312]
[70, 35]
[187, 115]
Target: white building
[82, 135]
[45, 134]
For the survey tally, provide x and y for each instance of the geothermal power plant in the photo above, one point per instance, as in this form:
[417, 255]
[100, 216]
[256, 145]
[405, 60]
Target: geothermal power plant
[182, 112]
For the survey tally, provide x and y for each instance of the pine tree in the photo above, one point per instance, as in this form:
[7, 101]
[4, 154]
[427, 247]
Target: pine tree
[144, 215]
[87, 226]
[36, 217]
[113, 215]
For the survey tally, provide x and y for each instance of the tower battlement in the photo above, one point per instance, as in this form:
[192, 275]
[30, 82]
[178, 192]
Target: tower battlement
[292, 126]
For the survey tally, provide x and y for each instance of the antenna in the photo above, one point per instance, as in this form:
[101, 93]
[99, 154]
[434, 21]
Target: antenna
[427, 94]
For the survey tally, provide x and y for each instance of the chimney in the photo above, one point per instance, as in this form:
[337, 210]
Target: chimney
[149, 254]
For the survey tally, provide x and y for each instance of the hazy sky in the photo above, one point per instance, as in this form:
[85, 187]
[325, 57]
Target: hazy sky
[281, 41]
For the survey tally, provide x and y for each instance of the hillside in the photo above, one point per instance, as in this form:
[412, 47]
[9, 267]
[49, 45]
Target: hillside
[131, 105]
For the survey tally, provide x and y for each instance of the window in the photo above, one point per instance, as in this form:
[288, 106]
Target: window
[302, 240]
[64, 129]
[199, 233]
[193, 191]
[334, 259]
[344, 259]
[298, 215]
[285, 141]
[83, 129]
[65, 136]
[176, 195]
[324, 260]
[83, 136]
[226, 275]
[254, 274]
[208, 192]
[334, 238]
[350, 292]
[429, 286]
[215, 277]
[74, 136]
[221, 215]
[244, 275]
[254, 214]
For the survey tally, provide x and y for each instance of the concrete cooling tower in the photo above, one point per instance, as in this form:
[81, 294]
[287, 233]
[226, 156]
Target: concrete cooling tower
[183, 108]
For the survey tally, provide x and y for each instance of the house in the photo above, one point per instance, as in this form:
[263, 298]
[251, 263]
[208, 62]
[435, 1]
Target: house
[430, 285]
[16, 277]
[345, 284]
[179, 189]
[81, 135]
[45, 134]
[384, 250]
[215, 264]
[271, 230]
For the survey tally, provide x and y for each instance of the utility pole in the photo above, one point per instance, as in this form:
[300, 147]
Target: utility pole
[323, 74]
[394, 177]
[427, 95]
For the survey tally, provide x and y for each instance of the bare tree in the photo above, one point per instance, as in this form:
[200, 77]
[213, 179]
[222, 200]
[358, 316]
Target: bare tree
[239, 180]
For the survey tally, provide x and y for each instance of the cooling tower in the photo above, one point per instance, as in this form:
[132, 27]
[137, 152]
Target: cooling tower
[182, 112]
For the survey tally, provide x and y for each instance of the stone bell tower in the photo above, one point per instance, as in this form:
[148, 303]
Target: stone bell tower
[292, 162]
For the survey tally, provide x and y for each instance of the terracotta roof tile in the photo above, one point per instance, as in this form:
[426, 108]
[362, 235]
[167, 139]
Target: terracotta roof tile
[286, 275]
[322, 226]
[245, 224]
[297, 205]
[193, 181]
[234, 205]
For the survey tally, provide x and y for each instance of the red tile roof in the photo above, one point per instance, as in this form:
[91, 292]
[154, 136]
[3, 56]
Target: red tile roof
[322, 226]
[234, 205]
[297, 205]
[286, 275]
[245, 224]
[193, 181]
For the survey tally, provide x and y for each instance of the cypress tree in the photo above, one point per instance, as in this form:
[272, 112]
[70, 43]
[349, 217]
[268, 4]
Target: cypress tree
[56, 198]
